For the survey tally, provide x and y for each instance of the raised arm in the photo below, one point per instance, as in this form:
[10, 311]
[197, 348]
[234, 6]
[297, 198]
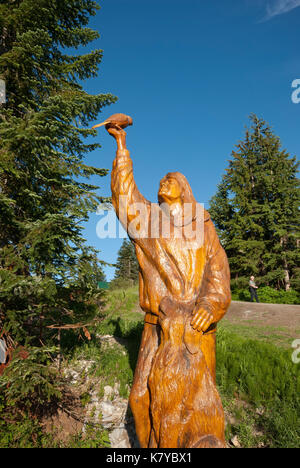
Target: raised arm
[215, 295]
[126, 198]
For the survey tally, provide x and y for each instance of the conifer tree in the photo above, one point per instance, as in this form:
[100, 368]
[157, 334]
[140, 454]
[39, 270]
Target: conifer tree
[256, 212]
[127, 267]
[45, 269]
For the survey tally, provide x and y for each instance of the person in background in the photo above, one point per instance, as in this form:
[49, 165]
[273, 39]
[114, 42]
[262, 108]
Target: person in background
[252, 289]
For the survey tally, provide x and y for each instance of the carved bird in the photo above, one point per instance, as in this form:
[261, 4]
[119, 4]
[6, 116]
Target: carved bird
[116, 120]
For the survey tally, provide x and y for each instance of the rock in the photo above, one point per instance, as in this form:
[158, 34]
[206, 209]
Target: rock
[72, 375]
[107, 408]
[109, 340]
[110, 411]
[119, 438]
[108, 392]
[104, 337]
[79, 372]
[235, 442]
[113, 413]
[229, 419]
[117, 388]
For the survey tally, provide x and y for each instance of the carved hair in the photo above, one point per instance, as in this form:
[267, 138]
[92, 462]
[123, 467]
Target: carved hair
[186, 191]
[187, 195]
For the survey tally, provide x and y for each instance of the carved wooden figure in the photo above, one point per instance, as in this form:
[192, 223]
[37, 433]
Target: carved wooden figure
[117, 120]
[184, 290]
[185, 407]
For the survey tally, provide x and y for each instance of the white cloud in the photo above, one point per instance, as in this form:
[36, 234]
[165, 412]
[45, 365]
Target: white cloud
[279, 7]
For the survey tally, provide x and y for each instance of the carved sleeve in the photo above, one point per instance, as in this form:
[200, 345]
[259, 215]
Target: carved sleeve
[215, 294]
[125, 194]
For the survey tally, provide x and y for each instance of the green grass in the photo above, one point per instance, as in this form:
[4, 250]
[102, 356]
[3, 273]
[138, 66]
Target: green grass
[126, 322]
[279, 336]
[254, 371]
[257, 380]
[115, 363]
[121, 312]
[261, 372]
[252, 374]
[29, 433]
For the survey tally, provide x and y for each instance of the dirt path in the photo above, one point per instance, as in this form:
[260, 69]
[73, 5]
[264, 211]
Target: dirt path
[274, 315]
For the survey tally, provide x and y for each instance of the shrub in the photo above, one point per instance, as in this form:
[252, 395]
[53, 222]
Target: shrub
[32, 383]
[268, 295]
[26, 433]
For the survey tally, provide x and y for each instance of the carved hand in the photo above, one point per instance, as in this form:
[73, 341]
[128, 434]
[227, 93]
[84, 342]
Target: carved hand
[202, 319]
[119, 134]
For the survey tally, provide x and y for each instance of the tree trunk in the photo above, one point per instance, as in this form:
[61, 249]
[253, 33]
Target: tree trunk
[286, 275]
[285, 267]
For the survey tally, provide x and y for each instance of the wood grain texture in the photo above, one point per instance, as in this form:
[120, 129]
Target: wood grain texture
[185, 407]
[184, 292]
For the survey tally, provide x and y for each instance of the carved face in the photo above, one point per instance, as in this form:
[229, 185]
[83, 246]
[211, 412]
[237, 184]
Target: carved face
[169, 190]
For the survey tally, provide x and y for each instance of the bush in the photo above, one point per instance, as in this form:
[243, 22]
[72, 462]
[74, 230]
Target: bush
[30, 384]
[268, 295]
[26, 433]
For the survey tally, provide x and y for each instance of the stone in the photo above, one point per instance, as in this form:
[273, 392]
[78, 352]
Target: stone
[119, 438]
[117, 388]
[113, 413]
[260, 411]
[235, 441]
[108, 392]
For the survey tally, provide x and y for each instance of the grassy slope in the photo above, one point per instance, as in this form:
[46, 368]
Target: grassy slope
[257, 380]
[278, 336]
[256, 377]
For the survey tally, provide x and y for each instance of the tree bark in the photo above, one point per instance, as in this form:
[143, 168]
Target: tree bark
[286, 275]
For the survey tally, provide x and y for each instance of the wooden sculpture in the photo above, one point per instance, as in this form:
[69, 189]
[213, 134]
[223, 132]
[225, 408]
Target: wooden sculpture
[186, 409]
[184, 291]
[118, 121]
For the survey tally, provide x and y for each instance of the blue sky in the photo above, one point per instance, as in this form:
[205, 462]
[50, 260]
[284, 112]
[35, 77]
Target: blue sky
[190, 73]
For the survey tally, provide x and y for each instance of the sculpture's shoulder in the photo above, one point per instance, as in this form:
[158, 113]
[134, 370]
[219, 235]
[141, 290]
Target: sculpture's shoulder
[211, 237]
[209, 227]
[206, 216]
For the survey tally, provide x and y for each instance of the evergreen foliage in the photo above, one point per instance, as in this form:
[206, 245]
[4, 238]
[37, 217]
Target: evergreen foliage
[256, 211]
[127, 267]
[47, 273]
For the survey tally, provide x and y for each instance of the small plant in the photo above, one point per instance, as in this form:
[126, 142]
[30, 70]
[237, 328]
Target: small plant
[268, 295]
[93, 438]
[24, 433]
[28, 384]
[85, 398]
